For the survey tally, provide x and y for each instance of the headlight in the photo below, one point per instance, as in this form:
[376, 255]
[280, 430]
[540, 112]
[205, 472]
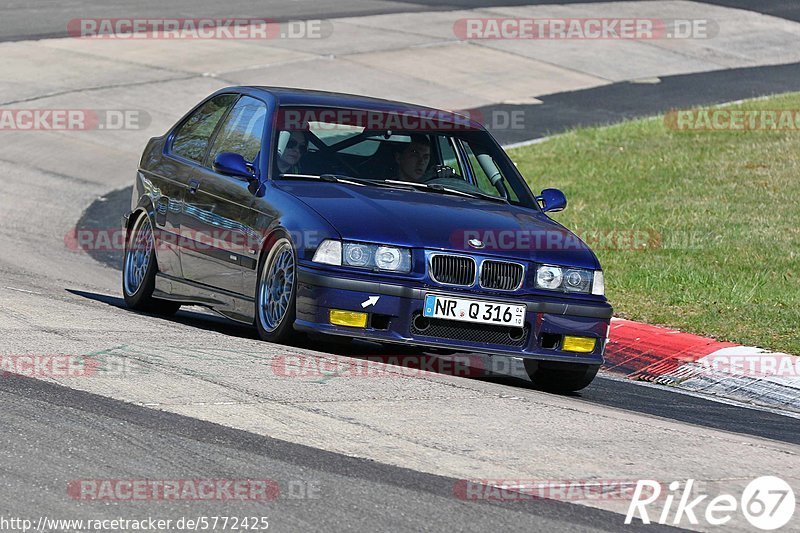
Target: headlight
[554, 278]
[373, 256]
[357, 255]
[577, 280]
[387, 258]
[549, 277]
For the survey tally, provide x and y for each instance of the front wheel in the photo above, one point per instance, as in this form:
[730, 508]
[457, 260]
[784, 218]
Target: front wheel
[276, 293]
[560, 377]
[139, 269]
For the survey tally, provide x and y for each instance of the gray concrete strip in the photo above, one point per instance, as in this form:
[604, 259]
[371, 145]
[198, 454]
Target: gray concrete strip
[184, 56]
[738, 37]
[32, 70]
[482, 73]
[48, 19]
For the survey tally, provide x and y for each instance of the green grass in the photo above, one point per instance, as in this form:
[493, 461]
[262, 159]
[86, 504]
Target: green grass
[726, 206]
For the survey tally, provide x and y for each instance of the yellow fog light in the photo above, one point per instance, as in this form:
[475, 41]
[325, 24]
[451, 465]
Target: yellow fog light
[578, 344]
[352, 319]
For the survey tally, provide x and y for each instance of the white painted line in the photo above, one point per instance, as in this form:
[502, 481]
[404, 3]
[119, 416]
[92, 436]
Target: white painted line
[23, 290]
[522, 144]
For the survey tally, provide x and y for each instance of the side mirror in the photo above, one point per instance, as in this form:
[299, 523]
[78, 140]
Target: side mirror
[234, 165]
[552, 200]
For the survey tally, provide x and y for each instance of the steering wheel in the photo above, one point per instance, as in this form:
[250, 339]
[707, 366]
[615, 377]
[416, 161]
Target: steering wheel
[440, 172]
[447, 176]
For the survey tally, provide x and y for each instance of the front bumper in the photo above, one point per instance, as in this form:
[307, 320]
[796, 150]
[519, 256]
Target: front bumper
[391, 319]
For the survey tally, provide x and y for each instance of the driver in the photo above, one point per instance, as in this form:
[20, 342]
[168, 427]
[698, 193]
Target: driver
[412, 161]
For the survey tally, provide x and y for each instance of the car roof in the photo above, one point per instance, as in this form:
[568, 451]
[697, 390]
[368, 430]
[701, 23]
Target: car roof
[306, 97]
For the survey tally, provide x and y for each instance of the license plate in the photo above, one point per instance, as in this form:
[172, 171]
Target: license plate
[474, 311]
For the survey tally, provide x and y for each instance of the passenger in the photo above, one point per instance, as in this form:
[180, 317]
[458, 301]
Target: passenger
[413, 160]
[296, 147]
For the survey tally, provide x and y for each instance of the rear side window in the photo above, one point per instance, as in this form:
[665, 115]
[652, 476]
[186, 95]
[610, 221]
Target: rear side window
[192, 138]
[242, 131]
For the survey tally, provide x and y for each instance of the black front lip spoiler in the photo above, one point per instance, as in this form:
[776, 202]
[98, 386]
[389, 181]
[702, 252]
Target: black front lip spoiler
[603, 311]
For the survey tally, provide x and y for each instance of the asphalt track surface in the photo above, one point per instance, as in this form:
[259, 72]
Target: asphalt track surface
[627, 100]
[359, 495]
[49, 432]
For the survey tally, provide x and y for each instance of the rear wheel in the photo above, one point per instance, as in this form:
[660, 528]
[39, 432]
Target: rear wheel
[139, 269]
[560, 377]
[276, 293]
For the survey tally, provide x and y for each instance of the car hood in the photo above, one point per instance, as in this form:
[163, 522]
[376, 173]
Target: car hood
[430, 220]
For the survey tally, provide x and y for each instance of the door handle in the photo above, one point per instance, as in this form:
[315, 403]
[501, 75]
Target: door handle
[193, 186]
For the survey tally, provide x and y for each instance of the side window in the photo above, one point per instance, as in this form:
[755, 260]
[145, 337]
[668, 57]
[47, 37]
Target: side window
[192, 138]
[242, 130]
[482, 169]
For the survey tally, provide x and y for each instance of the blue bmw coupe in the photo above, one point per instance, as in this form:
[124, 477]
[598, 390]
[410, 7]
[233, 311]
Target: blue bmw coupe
[309, 211]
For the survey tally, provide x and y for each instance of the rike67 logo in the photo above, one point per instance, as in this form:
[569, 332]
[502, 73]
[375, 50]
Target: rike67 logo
[767, 503]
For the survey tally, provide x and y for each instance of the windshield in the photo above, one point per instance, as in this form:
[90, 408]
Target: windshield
[439, 152]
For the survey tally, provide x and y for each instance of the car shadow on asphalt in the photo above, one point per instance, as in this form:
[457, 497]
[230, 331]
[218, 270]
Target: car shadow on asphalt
[187, 316]
[461, 364]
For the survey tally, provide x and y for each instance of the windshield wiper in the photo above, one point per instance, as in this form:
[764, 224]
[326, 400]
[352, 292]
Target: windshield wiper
[490, 197]
[338, 178]
[446, 190]
[393, 184]
[342, 178]
[331, 178]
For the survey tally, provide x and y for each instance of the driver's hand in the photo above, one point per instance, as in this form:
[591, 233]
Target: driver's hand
[440, 171]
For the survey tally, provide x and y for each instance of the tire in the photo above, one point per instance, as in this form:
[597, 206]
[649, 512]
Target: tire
[139, 269]
[276, 292]
[560, 377]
